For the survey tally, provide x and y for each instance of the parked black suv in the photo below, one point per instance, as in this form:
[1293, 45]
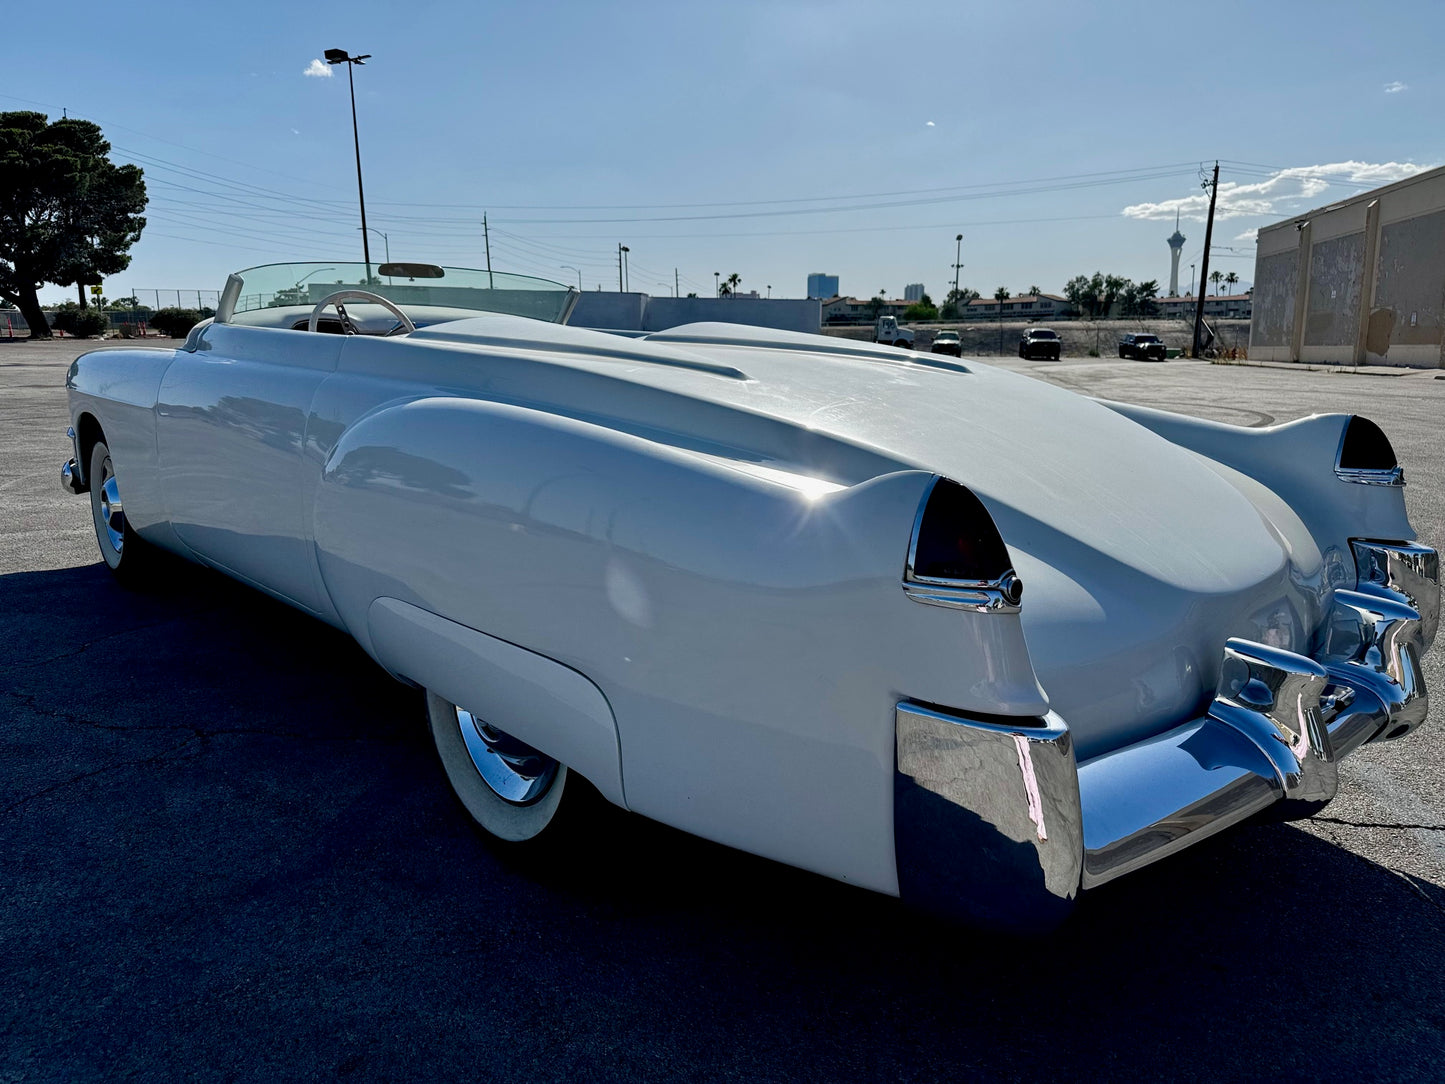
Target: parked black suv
[1142, 347]
[1039, 342]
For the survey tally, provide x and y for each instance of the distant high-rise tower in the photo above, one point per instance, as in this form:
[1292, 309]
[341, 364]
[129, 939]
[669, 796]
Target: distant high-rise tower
[913, 292]
[1176, 246]
[822, 286]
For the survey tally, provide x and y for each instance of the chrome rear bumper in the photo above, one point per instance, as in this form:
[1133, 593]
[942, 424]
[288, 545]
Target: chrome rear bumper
[995, 822]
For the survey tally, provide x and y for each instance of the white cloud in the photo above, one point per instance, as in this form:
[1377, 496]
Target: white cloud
[1396, 87]
[318, 69]
[295, 131]
[1279, 193]
[930, 124]
[1247, 235]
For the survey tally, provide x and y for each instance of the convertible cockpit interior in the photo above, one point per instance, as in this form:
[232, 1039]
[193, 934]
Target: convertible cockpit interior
[382, 299]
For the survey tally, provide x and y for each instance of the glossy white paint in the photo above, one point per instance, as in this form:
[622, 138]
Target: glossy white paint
[708, 527]
[518, 691]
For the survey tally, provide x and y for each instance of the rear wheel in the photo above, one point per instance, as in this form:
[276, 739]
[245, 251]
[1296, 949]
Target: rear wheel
[127, 555]
[513, 792]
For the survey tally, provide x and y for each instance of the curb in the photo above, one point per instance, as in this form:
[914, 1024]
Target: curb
[1355, 370]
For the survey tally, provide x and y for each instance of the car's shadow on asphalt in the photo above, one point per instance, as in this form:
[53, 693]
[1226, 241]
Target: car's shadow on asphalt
[228, 843]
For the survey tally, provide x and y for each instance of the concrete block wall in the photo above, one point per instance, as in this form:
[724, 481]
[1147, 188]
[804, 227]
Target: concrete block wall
[641, 312]
[1357, 282]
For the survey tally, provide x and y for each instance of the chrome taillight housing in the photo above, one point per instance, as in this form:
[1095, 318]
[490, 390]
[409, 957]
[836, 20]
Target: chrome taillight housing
[956, 556]
[1366, 457]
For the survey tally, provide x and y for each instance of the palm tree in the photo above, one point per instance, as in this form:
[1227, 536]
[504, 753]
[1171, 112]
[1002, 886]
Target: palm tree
[1230, 280]
[1035, 290]
[733, 281]
[1216, 277]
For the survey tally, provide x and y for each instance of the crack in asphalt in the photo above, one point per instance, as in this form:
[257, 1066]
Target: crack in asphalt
[29, 700]
[196, 734]
[82, 776]
[88, 644]
[1381, 824]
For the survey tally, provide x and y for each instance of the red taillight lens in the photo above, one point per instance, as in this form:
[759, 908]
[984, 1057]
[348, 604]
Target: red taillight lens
[955, 539]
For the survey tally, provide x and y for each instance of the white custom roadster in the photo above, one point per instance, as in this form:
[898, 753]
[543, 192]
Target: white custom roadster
[917, 624]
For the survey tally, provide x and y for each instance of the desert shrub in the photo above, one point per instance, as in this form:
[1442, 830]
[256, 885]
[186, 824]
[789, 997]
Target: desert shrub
[82, 323]
[174, 322]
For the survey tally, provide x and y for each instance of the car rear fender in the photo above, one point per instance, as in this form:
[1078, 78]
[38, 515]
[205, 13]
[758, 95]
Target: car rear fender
[746, 626]
[1298, 461]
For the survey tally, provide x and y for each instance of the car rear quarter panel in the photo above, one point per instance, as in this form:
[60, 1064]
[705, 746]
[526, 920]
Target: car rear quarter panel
[751, 642]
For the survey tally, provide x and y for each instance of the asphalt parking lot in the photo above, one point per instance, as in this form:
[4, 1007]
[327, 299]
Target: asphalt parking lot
[227, 851]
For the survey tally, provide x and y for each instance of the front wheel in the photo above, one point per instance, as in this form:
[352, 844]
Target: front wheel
[513, 792]
[126, 554]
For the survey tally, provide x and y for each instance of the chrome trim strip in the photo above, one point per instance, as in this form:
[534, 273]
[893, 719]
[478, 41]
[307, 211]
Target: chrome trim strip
[986, 818]
[1404, 571]
[999, 596]
[1394, 476]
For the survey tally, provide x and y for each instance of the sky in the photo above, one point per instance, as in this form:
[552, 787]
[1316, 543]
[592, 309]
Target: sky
[769, 140]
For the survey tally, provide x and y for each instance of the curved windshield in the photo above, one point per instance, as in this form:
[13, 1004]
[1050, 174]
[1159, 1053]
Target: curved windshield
[428, 293]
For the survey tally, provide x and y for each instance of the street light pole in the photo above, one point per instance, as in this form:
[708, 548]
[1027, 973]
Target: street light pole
[385, 240]
[569, 267]
[716, 287]
[340, 56]
[957, 263]
[621, 286]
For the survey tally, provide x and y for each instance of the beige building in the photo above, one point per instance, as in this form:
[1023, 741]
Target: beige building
[1024, 307]
[1359, 281]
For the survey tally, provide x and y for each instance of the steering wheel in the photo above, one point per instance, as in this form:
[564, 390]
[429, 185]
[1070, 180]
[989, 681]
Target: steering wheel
[347, 326]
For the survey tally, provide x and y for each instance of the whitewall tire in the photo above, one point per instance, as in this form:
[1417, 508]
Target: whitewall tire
[513, 792]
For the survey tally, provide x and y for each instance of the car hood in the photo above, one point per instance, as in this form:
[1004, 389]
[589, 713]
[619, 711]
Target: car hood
[1139, 557]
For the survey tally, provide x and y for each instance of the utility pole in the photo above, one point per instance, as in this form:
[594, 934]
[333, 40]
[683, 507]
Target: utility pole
[674, 282]
[1204, 261]
[487, 240]
[957, 263]
[340, 56]
[621, 248]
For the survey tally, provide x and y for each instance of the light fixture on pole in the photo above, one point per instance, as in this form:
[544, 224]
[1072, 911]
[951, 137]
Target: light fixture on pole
[340, 56]
[569, 267]
[385, 240]
[716, 286]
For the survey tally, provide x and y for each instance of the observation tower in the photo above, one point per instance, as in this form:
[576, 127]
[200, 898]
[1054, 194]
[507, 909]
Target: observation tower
[1176, 246]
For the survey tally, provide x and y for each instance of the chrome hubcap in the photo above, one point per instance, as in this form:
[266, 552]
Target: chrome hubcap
[112, 512]
[514, 771]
